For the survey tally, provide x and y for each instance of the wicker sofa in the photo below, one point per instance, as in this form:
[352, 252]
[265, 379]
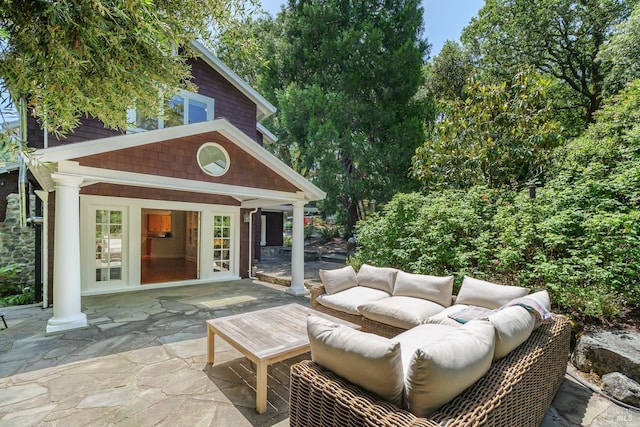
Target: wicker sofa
[516, 391]
[515, 388]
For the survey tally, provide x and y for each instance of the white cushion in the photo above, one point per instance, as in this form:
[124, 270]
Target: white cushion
[420, 336]
[381, 278]
[348, 300]
[443, 318]
[432, 288]
[339, 279]
[370, 361]
[543, 298]
[513, 326]
[440, 371]
[401, 312]
[487, 294]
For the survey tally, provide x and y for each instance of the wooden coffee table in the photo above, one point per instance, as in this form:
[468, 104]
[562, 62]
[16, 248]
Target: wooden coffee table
[266, 337]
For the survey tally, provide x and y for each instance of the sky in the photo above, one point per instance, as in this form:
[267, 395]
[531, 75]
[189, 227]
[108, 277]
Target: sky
[443, 19]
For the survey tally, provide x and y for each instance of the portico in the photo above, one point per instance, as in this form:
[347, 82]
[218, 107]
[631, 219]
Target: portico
[105, 190]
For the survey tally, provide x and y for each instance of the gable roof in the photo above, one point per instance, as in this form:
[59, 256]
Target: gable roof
[248, 197]
[264, 107]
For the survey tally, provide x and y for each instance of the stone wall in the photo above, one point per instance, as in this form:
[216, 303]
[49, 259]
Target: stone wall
[17, 243]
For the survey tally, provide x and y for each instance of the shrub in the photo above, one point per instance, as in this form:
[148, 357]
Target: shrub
[579, 238]
[12, 292]
[10, 279]
[442, 233]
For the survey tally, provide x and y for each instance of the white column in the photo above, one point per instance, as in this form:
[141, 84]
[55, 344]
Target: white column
[297, 250]
[67, 304]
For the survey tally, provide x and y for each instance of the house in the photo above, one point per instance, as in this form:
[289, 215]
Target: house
[168, 203]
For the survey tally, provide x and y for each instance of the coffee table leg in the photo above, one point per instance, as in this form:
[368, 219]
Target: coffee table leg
[210, 351]
[261, 386]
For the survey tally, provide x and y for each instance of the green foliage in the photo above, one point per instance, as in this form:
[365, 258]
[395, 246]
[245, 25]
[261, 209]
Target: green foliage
[441, 233]
[446, 76]
[579, 238]
[560, 38]
[621, 56]
[12, 292]
[499, 135]
[69, 59]
[345, 75]
[26, 295]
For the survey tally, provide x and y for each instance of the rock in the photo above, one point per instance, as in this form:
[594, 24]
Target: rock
[622, 388]
[604, 352]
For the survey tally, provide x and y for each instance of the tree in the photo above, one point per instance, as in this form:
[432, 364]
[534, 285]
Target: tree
[560, 38]
[621, 56]
[345, 75]
[500, 135]
[66, 59]
[447, 74]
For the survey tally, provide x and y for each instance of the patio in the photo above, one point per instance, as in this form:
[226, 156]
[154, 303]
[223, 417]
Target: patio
[142, 362]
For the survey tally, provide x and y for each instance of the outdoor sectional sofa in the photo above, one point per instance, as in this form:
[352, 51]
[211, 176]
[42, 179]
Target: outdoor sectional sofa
[495, 357]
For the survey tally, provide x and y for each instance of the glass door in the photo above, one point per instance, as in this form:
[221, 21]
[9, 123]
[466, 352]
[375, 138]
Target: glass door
[221, 243]
[108, 245]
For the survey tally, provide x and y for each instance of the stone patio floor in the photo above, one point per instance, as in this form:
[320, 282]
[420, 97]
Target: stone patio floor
[142, 362]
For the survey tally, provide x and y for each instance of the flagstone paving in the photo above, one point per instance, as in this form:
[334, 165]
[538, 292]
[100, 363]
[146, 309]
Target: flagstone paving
[142, 362]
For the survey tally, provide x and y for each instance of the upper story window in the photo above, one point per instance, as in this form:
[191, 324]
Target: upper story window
[183, 109]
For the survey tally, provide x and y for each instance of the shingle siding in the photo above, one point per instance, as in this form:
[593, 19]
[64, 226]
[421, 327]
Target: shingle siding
[177, 158]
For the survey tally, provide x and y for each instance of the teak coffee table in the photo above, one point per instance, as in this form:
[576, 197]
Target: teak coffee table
[265, 337]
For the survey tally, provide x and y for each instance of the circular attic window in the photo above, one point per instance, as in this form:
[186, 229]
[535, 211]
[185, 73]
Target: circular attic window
[213, 159]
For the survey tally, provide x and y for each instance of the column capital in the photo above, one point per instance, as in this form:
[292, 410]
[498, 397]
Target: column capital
[299, 203]
[62, 180]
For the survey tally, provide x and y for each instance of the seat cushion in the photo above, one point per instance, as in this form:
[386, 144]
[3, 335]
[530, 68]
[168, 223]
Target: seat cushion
[338, 279]
[487, 294]
[432, 288]
[513, 326]
[441, 370]
[381, 278]
[348, 300]
[444, 317]
[370, 361]
[401, 312]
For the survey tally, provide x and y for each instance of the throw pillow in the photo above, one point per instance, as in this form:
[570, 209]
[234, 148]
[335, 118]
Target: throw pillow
[382, 278]
[538, 304]
[339, 279]
[437, 373]
[432, 288]
[370, 361]
[487, 294]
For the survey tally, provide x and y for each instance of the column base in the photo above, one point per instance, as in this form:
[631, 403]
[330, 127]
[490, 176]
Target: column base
[297, 291]
[67, 323]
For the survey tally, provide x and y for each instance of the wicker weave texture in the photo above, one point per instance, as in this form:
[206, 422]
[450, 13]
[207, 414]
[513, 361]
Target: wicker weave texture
[517, 391]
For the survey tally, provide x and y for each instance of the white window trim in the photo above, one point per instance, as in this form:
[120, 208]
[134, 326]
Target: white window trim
[224, 152]
[131, 113]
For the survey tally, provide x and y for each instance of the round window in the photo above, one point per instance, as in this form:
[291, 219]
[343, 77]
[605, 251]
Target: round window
[213, 159]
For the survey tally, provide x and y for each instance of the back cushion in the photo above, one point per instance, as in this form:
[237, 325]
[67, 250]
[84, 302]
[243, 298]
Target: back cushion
[432, 288]
[381, 278]
[542, 297]
[339, 279]
[370, 361]
[487, 294]
[513, 326]
[438, 372]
